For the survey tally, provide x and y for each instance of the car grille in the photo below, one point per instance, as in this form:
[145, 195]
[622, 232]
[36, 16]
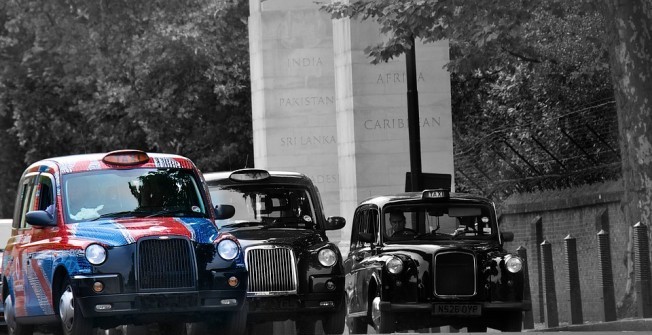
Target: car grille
[165, 264]
[272, 271]
[455, 274]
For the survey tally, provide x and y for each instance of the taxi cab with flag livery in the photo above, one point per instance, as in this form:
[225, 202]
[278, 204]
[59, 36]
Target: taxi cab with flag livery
[430, 259]
[126, 237]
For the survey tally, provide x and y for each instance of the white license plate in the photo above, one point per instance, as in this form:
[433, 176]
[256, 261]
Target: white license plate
[457, 309]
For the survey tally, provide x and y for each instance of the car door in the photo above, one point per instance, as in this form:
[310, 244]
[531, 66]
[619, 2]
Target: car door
[358, 271]
[28, 279]
[37, 253]
[20, 236]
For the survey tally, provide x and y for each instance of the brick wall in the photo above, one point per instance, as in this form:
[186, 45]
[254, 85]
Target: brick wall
[581, 213]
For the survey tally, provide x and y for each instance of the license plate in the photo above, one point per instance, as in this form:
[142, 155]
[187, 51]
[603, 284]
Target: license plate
[276, 303]
[457, 309]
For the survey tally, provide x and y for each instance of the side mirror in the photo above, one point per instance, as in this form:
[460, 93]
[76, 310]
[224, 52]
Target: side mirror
[335, 223]
[508, 236]
[39, 219]
[366, 237]
[223, 212]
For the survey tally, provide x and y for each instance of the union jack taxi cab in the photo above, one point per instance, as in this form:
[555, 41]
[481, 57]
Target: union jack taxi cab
[126, 237]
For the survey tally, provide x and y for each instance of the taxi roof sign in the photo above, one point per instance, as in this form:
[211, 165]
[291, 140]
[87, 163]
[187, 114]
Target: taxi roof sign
[440, 193]
[126, 157]
[249, 175]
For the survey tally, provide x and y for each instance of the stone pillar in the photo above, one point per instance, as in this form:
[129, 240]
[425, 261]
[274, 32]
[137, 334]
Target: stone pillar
[373, 144]
[293, 93]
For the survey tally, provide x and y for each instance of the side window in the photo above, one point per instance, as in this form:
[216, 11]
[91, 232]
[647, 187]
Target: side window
[372, 217]
[45, 194]
[355, 229]
[365, 221]
[24, 201]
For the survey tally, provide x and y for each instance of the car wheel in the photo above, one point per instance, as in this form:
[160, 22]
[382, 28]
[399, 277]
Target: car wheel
[13, 327]
[70, 314]
[235, 323]
[382, 321]
[306, 326]
[198, 328]
[513, 322]
[333, 323]
[175, 328]
[356, 325]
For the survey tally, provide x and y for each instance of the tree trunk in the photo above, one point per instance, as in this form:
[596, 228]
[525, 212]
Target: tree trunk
[631, 65]
[631, 68]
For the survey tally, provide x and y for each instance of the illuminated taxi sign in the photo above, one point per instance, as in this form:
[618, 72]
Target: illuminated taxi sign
[435, 194]
[249, 175]
[126, 157]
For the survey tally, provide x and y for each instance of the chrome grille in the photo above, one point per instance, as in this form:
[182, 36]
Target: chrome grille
[455, 274]
[272, 270]
[165, 263]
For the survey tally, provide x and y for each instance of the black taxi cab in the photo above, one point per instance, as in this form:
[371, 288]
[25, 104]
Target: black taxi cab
[125, 237]
[430, 259]
[295, 273]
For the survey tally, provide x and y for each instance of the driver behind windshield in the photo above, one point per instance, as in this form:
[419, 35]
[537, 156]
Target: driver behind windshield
[396, 223]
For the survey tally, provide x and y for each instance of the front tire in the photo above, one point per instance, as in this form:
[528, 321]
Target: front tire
[70, 314]
[13, 327]
[382, 321]
[306, 326]
[235, 324]
[512, 322]
[356, 325]
[334, 322]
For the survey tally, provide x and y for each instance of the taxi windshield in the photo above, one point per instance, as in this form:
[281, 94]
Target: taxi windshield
[437, 222]
[131, 193]
[271, 206]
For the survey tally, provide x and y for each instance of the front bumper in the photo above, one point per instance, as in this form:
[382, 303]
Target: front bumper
[182, 303]
[429, 307]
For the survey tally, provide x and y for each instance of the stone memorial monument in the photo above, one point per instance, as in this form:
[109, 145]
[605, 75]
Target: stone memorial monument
[321, 108]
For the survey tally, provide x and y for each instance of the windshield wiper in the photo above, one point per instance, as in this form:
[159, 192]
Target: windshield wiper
[115, 215]
[184, 211]
[243, 224]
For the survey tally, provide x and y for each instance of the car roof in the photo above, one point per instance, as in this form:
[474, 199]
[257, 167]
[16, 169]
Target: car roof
[93, 161]
[417, 198]
[275, 178]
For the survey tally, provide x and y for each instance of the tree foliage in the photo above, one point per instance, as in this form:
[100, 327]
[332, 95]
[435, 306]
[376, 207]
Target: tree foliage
[522, 72]
[162, 75]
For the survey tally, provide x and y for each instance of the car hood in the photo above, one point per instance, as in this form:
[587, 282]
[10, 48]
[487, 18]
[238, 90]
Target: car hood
[299, 239]
[483, 246]
[117, 232]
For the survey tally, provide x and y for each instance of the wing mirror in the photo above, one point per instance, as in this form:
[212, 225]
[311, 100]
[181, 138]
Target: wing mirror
[39, 219]
[335, 223]
[508, 236]
[366, 237]
[223, 212]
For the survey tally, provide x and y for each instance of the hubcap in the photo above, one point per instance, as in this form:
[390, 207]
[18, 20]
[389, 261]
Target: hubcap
[67, 308]
[375, 312]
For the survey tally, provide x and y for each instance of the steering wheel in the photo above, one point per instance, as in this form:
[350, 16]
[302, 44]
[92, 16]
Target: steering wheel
[404, 231]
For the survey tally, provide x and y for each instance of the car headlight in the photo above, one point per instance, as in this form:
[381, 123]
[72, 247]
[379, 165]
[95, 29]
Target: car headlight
[327, 257]
[395, 265]
[513, 264]
[227, 249]
[95, 254]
